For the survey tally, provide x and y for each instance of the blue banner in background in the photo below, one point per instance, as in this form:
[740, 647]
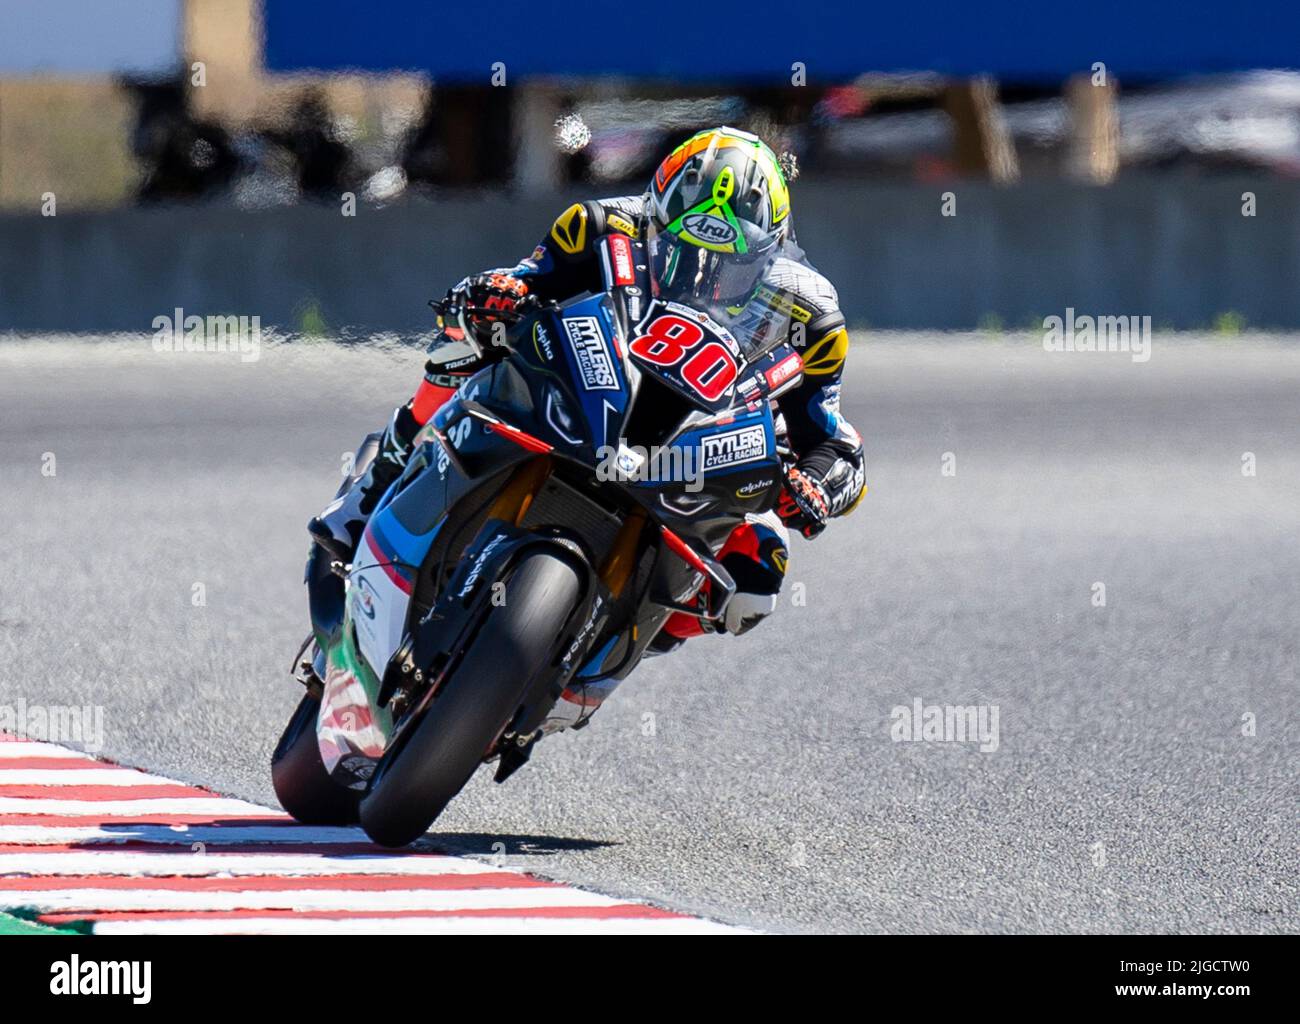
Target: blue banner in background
[760, 40]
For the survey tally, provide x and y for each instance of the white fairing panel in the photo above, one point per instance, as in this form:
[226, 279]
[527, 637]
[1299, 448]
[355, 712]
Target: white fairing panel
[378, 608]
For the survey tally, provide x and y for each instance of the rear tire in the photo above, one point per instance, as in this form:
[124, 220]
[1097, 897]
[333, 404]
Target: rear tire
[298, 774]
[416, 780]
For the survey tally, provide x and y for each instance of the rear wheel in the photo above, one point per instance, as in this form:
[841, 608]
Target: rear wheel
[416, 779]
[298, 774]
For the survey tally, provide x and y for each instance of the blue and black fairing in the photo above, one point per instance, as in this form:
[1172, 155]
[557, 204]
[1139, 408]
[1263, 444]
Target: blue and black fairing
[584, 393]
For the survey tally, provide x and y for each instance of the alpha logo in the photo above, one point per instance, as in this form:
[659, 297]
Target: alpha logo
[787, 368]
[542, 341]
[570, 229]
[589, 351]
[700, 227]
[734, 447]
[620, 254]
[753, 489]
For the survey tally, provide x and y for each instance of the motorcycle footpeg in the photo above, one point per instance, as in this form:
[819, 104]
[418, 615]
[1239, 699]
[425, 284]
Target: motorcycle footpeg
[514, 757]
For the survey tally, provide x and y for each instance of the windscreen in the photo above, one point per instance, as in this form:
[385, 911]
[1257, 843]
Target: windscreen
[738, 290]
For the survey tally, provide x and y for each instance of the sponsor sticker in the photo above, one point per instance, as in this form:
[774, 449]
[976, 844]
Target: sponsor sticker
[709, 230]
[713, 327]
[586, 629]
[754, 488]
[477, 569]
[620, 254]
[782, 303]
[365, 597]
[621, 224]
[590, 353]
[734, 447]
[788, 367]
[542, 341]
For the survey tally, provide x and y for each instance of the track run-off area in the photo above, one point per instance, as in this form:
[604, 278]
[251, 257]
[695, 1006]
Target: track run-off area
[1100, 553]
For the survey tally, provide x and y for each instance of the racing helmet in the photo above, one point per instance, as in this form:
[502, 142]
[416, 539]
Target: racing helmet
[719, 211]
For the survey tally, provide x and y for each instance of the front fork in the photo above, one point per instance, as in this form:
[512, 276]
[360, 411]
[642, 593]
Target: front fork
[515, 499]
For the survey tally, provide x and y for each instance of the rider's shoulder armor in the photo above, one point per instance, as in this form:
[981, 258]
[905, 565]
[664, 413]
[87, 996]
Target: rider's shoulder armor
[581, 224]
[817, 326]
[623, 214]
[815, 299]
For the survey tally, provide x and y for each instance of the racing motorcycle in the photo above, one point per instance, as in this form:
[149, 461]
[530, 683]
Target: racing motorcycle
[557, 509]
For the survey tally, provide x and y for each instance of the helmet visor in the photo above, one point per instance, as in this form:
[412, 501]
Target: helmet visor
[730, 287]
[706, 279]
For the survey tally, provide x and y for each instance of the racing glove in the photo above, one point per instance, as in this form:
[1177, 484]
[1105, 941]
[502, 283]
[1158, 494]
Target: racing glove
[488, 299]
[804, 504]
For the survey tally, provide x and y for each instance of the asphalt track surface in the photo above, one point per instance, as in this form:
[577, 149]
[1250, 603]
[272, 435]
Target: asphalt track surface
[755, 780]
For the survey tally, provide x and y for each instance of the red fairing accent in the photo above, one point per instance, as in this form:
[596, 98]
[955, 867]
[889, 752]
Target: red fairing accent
[390, 570]
[581, 699]
[743, 540]
[683, 550]
[683, 626]
[429, 398]
[533, 444]
[679, 624]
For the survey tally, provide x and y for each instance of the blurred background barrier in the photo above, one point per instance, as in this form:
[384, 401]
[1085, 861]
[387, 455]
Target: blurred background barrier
[1176, 249]
[959, 165]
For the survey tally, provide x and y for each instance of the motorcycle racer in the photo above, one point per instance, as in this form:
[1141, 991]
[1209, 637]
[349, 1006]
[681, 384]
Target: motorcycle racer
[717, 208]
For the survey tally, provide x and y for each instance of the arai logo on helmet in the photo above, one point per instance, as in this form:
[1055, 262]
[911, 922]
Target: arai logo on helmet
[709, 230]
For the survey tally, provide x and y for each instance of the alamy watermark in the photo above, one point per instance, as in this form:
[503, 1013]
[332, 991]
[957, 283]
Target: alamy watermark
[657, 464]
[181, 333]
[1098, 334]
[946, 723]
[53, 723]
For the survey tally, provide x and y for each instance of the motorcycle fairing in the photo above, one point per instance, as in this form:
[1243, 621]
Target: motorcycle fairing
[593, 355]
[569, 381]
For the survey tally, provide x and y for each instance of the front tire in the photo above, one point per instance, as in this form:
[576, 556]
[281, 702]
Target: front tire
[416, 779]
[298, 774]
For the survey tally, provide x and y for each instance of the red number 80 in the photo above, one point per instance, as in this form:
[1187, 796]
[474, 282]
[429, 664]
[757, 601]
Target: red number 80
[710, 371]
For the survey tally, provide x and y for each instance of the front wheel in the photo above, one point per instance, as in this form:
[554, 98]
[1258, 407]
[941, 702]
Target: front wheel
[298, 774]
[416, 779]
